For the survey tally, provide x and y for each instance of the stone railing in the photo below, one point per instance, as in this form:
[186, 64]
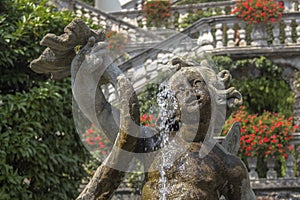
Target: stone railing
[179, 12]
[272, 181]
[217, 35]
[109, 22]
[131, 19]
[227, 35]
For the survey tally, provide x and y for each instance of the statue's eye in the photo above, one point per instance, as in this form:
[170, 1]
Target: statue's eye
[198, 83]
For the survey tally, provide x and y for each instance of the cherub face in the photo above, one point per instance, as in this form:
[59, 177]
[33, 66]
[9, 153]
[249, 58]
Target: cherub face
[193, 98]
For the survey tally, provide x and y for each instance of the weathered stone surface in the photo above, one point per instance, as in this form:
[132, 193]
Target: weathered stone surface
[57, 57]
[190, 176]
[217, 174]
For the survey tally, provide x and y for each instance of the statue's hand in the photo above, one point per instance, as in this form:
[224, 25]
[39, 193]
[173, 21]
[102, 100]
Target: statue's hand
[57, 57]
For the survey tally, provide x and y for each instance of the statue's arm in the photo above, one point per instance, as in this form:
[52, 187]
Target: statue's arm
[88, 66]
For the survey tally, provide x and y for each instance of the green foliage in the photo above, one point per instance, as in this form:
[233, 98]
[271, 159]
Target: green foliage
[41, 156]
[260, 82]
[22, 25]
[194, 16]
[147, 98]
[264, 94]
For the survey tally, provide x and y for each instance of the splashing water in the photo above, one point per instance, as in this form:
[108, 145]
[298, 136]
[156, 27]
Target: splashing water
[167, 122]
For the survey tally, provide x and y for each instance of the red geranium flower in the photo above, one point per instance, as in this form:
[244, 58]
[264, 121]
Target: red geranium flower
[258, 11]
[263, 135]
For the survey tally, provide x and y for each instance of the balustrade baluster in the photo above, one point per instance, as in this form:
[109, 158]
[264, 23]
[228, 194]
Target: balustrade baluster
[252, 164]
[213, 10]
[223, 11]
[78, 11]
[288, 6]
[271, 173]
[289, 166]
[288, 32]
[86, 13]
[219, 36]
[130, 74]
[94, 18]
[294, 6]
[230, 34]
[182, 15]
[140, 4]
[102, 22]
[242, 35]
[108, 24]
[144, 22]
[276, 33]
[205, 38]
[132, 35]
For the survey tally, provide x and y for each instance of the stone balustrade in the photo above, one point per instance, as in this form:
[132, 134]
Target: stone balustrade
[179, 12]
[131, 19]
[229, 31]
[272, 181]
[109, 22]
[218, 35]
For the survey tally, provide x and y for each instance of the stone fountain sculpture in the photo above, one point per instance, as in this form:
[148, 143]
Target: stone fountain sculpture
[195, 167]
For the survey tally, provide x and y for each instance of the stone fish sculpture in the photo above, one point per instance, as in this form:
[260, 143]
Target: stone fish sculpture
[188, 176]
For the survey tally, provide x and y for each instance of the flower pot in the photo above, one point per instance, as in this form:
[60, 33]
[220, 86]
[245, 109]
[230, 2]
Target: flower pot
[259, 35]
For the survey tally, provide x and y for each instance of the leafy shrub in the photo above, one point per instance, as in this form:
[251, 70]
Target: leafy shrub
[41, 156]
[147, 98]
[194, 16]
[261, 84]
[22, 25]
